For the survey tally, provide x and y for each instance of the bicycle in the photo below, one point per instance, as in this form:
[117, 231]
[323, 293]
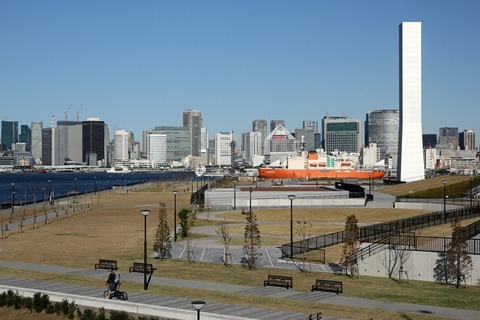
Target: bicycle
[122, 295]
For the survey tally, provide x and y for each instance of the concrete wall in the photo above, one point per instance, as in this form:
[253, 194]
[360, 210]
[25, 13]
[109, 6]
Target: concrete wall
[256, 203]
[424, 206]
[419, 266]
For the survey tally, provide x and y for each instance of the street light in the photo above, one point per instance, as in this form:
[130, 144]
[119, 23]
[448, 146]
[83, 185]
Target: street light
[145, 213]
[175, 215]
[94, 185]
[192, 185]
[471, 196]
[198, 305]
[250, 199]
[13, 197]
[445, 201]
[75, 189]
[234, 196]
[291, 197]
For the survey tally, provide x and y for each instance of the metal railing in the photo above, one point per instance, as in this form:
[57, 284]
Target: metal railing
[382, 230]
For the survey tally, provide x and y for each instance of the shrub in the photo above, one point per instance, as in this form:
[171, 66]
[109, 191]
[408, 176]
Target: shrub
[119, 315]
[27, 302]
[61, 307]
[3, 299]
[40, 302]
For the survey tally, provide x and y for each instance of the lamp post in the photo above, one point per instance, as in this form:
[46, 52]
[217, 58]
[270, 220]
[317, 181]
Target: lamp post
[145, 213]
[94, 185]
[75, 190]
[445, 201]
[13, 197]
[234, 196]
[291, 197]
[250, 199]
[175, 215]
[198, 305]
[471, 185]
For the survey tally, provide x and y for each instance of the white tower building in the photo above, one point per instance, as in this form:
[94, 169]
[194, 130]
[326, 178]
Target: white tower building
[121, 145]
[410, 151]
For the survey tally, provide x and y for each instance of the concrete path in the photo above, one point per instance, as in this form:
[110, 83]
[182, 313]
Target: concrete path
[179, 308]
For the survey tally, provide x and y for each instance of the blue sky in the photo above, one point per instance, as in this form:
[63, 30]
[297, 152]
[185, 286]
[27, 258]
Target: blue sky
[138, 64]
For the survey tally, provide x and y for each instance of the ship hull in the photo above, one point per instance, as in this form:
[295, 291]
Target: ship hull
[280, 173]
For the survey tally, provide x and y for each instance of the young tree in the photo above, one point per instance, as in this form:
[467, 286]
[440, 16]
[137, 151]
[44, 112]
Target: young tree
[163, 244]
[351, 245]
[304, 229]
[222, 230]
[252, 241]
[184, 216]
[459, 262]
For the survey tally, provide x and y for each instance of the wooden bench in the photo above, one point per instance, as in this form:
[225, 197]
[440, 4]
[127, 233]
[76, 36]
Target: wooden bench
[279, 281]
[139, 267]
[328, 285]
[106, 264]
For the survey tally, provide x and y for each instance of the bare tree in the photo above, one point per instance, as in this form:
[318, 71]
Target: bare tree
[252, 241]
[304, 230]
[222, 230]
[163, 244]
[191, 251]
[459, 262]
[351, 245]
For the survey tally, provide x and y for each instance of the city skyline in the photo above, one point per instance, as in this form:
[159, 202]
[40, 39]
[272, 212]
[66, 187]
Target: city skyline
[140, 66]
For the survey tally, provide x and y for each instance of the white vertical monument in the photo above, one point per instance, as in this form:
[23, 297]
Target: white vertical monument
[410, 150]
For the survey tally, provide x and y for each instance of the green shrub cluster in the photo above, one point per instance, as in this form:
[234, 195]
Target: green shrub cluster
[41, 303]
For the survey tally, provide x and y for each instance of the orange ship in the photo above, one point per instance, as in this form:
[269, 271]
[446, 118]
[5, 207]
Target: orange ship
[316, 165]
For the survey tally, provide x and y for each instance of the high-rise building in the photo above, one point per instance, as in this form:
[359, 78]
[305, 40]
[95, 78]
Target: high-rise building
[260, 126]
[274, 124]
[410, 152]
[310, 125]
[223, 148]
[429, 140]
[47, 146]
[341, 134]
[193, 120]
[467, 140]
[157, 148]
[68, 142]
[36, 140]
[9, 134]
[382, 127]
[279, 144]
[253, 143]
[25, 136]
[95, 139]
[177, 143]
[204, 145]
[122, 145]
[448, 138]
[305, 139]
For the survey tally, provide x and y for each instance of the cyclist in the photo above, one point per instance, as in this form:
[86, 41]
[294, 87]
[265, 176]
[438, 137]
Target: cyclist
[112, 282]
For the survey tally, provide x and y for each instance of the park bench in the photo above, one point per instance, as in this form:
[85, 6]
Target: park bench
[106, 264]
[328, 285]
[139, 267]
[279, 281]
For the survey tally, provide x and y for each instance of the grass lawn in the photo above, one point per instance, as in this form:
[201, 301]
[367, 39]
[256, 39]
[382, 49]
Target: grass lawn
[114, 230]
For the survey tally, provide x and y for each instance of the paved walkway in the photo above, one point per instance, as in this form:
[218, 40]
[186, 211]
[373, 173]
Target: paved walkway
[182, 307]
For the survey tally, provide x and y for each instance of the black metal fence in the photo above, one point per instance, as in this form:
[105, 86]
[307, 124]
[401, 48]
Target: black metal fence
[380, 231]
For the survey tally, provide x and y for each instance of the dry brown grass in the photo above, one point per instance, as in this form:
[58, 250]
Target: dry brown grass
[115, 231]
[437, 182]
